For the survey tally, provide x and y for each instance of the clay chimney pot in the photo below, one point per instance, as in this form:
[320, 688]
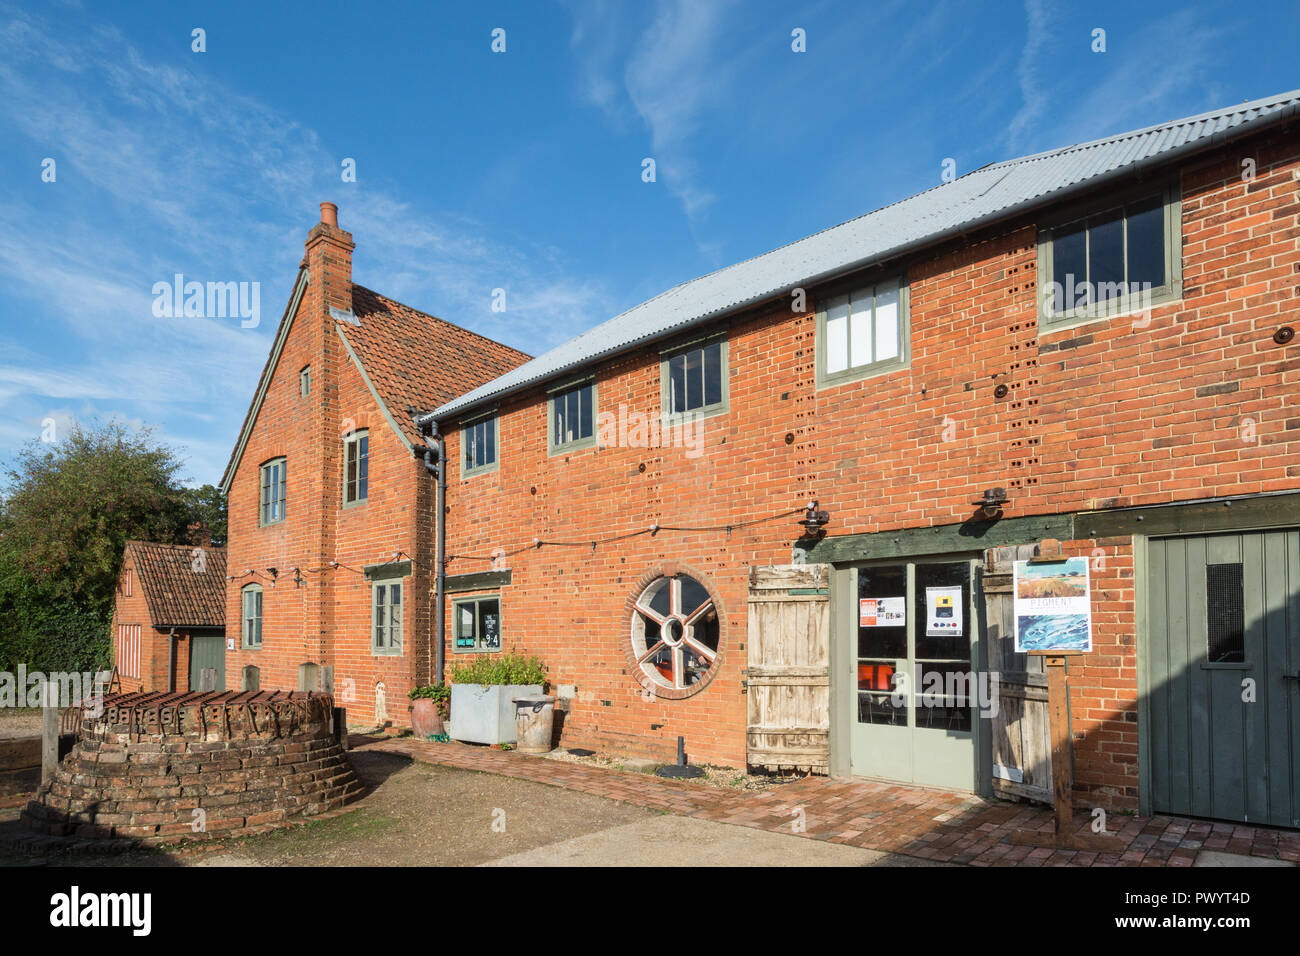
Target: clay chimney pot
[329, 214]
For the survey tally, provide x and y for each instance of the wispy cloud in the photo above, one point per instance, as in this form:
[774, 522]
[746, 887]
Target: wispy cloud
[1032, 91]
[164, 170]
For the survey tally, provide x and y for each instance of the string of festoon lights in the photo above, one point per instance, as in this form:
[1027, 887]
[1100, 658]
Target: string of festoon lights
[298, 572]
[538, 543]
[594, 543]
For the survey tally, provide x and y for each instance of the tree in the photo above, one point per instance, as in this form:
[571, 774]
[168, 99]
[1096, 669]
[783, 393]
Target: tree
[64, 522]
[72, 506]
[207, 506]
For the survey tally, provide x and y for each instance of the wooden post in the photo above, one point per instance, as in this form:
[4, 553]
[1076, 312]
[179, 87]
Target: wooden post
[1058, 702]
[49, 732]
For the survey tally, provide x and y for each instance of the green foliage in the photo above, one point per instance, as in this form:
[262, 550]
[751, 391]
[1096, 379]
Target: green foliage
[72, 505]
[432, 691]
[509, 668]
[66, 513]
[207, 505]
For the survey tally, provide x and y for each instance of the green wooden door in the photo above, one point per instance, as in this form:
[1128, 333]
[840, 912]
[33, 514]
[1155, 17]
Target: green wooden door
[207, 650]
[916, 639]
[1223, 676]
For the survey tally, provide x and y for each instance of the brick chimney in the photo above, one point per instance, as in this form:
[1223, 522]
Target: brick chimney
[329, 260]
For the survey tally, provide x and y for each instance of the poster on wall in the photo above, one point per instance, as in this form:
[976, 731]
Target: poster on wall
[882, 612]
[943, 613]
[1053, 606]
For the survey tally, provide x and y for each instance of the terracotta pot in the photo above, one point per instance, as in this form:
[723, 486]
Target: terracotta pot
[425, 719]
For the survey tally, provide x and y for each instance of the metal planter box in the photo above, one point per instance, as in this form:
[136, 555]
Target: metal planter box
[485, 714]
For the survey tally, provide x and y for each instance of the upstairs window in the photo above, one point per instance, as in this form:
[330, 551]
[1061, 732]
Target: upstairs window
[573, 418]
[250, 627]
[273, 491]
[863, 332]
[304, 381]
[387, 620]
[356, 467]
[1119, 255]
[695, 378]
[480, 442]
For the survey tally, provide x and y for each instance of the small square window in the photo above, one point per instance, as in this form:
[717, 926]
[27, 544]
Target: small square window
[573, 418]
[480, 447]
[862, 332]
[476, 623]
[1110, 257]
[695, 379]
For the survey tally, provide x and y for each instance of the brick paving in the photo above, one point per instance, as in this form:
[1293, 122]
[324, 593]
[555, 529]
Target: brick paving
[929, 824]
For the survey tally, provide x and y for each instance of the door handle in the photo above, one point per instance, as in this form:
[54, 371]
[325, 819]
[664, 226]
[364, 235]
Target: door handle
[1291, 676]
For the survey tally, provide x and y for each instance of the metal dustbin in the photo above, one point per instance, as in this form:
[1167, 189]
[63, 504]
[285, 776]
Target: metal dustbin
[534, 719]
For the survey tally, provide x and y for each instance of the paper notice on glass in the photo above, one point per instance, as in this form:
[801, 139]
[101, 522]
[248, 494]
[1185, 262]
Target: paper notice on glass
[882, 612]
[943, 611]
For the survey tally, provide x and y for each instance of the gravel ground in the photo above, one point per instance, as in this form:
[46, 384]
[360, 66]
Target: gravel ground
[418, 815]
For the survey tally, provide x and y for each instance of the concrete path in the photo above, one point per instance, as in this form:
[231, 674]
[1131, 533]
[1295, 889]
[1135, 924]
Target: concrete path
[682, 841]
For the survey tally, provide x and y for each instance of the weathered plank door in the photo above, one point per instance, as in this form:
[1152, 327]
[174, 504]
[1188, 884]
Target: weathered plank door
[788, 677]
[1022, 745]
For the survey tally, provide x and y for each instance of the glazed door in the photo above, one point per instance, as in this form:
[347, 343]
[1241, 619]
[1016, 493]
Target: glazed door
[914, 659]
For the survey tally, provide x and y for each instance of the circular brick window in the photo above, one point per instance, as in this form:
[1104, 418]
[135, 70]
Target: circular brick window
[676, 633]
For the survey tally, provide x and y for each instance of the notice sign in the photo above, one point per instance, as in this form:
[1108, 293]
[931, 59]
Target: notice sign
[882, 612]
[943, 611]
[1053, 606]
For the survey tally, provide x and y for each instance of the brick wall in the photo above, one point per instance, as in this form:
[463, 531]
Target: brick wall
[1198, 402]
[327, 620]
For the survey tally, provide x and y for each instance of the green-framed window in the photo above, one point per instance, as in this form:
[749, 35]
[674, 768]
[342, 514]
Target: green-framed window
[1118, 254]
[572, 423]
[479, 441]
[304, 381]
[386, 618]
[863, 331]
[356, 467]
[250, 619]
[272, 495]
[694, 377]
[476, 623]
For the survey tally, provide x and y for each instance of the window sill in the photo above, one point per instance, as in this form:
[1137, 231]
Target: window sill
[479, 472]
[475, 650]
[376, 652]
[1225, 666]
[1067, 321]
[555, 451]
[360, 502]
[862, 374]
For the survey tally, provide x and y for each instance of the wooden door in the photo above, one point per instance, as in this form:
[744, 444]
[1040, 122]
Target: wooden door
[208, 653]
[788, 677]
[1021, 735]
[1223, 676]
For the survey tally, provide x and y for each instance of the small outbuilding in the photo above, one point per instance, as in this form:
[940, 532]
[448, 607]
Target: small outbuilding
[169, 618]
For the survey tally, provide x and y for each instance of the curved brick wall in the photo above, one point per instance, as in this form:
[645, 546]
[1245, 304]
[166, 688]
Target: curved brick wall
[247, 760]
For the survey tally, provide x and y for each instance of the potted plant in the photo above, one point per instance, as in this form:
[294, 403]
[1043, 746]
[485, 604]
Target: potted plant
[483, 696]
[430, 707]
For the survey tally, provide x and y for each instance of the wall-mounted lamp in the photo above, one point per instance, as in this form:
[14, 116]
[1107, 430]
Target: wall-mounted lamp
[813, 520]
[991, 504]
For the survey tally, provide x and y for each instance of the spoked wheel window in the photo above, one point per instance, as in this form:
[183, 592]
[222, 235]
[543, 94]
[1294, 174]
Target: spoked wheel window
[675, 632]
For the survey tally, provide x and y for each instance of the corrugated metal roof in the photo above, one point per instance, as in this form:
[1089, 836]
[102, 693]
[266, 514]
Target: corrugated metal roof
[989, 193]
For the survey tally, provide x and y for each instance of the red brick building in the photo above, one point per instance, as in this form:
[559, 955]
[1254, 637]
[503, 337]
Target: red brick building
[330, 512]
[1104, 333]
[169, 616]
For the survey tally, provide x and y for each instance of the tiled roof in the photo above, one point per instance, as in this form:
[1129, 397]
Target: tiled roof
[415, 360]
[182, 587]
[977, 199]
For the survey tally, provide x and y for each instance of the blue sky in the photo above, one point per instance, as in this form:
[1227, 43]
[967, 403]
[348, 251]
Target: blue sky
[518, 170]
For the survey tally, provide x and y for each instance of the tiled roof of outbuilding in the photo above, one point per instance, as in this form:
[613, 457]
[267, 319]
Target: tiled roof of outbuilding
[182, 588]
